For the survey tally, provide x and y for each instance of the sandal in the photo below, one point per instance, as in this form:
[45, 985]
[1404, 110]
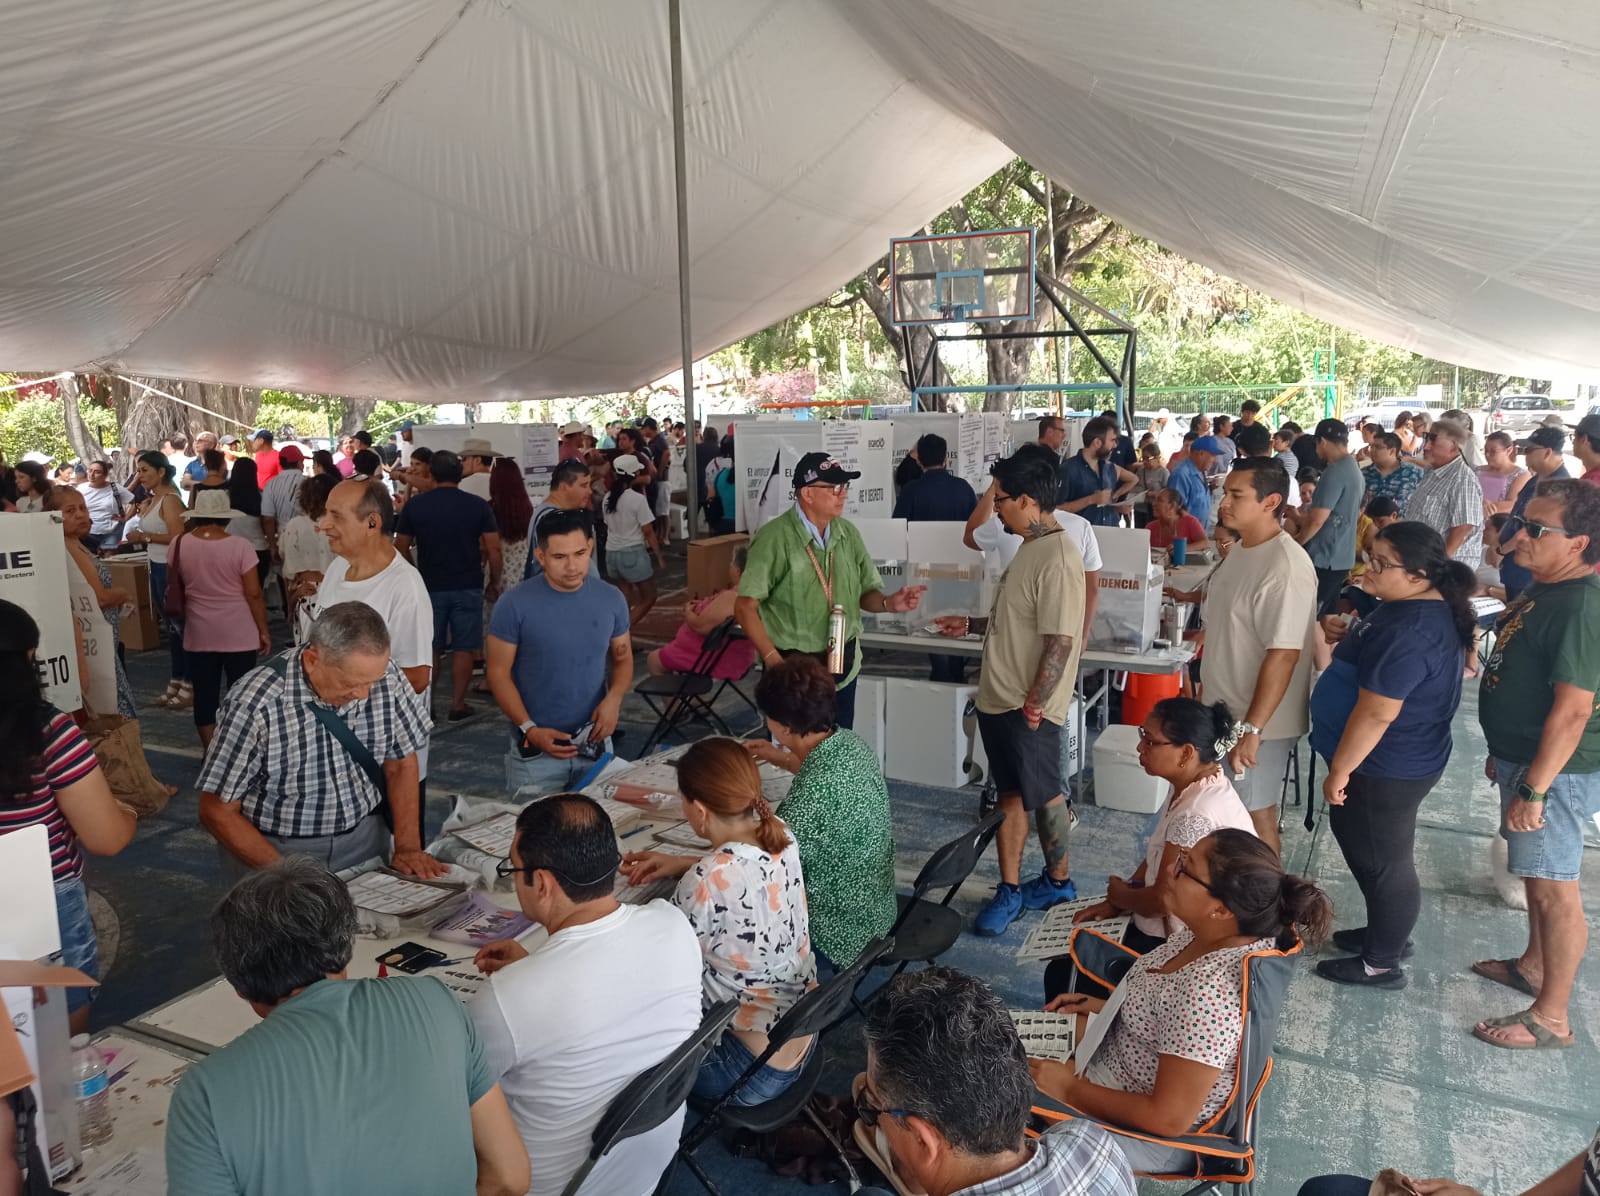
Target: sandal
[1506, 972]
[1544, 1038]
[185, 698]
[166, 699]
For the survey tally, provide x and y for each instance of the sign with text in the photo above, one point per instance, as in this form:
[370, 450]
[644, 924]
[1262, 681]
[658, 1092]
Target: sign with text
[33, 574]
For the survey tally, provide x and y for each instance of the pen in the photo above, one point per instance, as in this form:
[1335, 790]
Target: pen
[638, 830]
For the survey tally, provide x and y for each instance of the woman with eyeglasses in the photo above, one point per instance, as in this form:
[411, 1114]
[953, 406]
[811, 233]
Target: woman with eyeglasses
[1182, 742]
[1167, 1062]
[746, 901]
[1380, 717]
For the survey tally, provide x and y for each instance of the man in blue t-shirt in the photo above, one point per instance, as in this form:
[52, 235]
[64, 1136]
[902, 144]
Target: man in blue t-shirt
[560, 660]
[1091, 484]
[455, 534]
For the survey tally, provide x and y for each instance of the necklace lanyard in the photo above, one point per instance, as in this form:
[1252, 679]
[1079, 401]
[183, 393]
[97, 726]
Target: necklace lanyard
[827, 581]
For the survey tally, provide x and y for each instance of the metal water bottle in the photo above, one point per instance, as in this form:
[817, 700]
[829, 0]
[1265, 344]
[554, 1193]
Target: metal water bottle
[836, 640]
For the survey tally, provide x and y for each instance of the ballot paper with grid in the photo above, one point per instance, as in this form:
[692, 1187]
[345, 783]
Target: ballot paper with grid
[1046, 1035]
[1053, 935]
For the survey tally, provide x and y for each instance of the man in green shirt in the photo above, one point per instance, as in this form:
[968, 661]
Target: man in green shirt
[805, 562]
[1537, 706]
[346, 1085]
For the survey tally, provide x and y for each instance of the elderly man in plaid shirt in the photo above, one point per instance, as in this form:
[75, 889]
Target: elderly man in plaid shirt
[1449, 498]
[309, 750]
[947, 1095]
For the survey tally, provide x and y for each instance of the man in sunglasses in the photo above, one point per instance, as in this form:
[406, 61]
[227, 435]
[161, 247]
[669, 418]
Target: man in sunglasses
[1449, 498]
[805, 562]
[572, 1014]
[947, 1095]
[1537, 706]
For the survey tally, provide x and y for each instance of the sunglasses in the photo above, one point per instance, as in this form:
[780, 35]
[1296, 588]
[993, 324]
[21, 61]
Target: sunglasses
[1183, 870]
[869, 1114]
[1536, 530]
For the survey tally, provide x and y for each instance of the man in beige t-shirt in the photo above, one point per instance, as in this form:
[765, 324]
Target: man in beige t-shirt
[1032, 642]
[1259, 621]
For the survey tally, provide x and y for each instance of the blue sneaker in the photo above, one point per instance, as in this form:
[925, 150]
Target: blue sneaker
[1004, 908]
[1042, 892]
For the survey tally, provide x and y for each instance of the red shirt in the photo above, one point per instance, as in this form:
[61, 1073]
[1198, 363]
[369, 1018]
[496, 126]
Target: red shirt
[267, 466]
[1593, 476]
[1189, 528]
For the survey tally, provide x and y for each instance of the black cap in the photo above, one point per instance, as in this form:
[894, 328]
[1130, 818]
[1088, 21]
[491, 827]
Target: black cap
[1554, 439]
[819, 467]
[1589, 426]
[1333, 429]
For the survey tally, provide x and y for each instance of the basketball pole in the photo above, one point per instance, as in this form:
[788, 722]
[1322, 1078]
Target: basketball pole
[691, 489]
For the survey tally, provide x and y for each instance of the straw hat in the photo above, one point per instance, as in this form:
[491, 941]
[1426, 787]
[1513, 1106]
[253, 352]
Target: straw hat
[212, 504]
[478, 448]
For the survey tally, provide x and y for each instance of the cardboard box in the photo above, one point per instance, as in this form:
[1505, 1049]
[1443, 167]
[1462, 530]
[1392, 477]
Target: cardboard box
[708, 563]
[141, 631]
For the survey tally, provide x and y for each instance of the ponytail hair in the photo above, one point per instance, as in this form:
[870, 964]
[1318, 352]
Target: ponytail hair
[720, 775]
[159, 463]
[621, 483]
[1209, 730]
[1248, 878]
[1421, 552]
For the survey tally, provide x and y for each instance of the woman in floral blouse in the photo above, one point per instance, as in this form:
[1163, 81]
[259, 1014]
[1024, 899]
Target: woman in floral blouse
[837, 809]
[747, 903]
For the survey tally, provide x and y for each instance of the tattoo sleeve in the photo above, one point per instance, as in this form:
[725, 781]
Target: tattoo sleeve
[1052, 667]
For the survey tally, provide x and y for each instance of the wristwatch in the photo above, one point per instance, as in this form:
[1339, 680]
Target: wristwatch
[526, 726]
[1248, 729]
[1527, 793]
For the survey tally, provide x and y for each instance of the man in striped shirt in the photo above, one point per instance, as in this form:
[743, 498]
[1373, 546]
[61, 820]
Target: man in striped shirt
[277, 781]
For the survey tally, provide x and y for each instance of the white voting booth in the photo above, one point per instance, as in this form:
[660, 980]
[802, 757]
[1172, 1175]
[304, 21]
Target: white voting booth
[33, 574]
[536, 448]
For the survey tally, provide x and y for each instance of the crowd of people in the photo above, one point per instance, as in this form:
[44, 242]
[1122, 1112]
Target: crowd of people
[1340, 607]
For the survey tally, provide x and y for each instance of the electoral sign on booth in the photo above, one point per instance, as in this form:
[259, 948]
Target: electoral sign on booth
[536, 448]
[975, 440]
[766, 451]
[33, 574]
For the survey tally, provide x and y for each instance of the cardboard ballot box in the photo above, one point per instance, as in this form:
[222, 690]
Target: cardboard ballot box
[708, 563]
[141, 631]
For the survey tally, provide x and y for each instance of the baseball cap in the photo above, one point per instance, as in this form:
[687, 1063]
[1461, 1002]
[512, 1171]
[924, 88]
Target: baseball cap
[229, 439]
[1554, 439]
[290, 454]
[407, 424]
[1335, 430]
[262, 434]
[819, 467]
[1589, 426]
[628, 465]
[1207, 444]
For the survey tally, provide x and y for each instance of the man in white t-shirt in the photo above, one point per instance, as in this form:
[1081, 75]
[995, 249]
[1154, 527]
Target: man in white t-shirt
[578, 1008]
[1259, 618]
[366, 568]
[986, 533]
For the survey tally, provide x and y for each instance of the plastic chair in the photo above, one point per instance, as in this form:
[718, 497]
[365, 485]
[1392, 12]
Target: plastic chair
[811, 1015]
[683, 696]
[1224, 1147]
[653, 1095]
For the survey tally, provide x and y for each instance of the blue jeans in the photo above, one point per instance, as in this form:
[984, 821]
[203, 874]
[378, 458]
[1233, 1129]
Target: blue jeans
[79, 947]
[546, 774]
[728, 1061]
[158, 595]
[1555, 850]
[1336, 1185]
[457, 620]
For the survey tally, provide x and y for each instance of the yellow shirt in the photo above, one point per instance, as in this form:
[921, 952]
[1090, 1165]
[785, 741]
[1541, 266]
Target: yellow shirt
[1041, 593]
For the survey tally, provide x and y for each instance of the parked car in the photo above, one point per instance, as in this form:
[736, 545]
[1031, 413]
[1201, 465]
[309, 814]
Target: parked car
[1519, 414]
[1384, 413]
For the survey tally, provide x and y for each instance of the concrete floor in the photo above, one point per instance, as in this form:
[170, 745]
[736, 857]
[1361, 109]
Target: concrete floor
[1364, 1079]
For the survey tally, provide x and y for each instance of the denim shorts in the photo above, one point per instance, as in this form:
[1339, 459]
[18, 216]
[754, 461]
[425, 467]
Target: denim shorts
[1555, 850]
[79, 948]
[728, 1061]
[629, 564]
[457, 620]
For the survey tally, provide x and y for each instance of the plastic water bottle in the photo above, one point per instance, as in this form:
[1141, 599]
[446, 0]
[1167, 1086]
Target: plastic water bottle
[92, 1090]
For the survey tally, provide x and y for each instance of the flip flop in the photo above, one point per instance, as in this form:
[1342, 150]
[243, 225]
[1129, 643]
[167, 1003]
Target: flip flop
[1509, 975]
[1544, 1038]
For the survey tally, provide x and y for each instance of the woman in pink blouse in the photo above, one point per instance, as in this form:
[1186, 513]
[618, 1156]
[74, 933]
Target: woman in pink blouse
[1166, 1064]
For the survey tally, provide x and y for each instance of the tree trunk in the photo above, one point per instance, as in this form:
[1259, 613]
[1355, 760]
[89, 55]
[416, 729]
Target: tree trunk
[1008, 363]
[84, 446]
[356, 414]
[146, 419]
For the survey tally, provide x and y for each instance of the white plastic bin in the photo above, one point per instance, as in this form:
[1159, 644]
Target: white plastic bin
[869, 713]
[926, 742]
[1120, 783]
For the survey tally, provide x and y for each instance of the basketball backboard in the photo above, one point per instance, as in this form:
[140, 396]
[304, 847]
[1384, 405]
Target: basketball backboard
[962, 277]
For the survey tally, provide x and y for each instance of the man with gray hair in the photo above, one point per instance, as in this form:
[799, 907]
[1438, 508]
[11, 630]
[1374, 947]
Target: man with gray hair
[272, 1111]
[1449, 499]
[948, 1093]
[315, 753]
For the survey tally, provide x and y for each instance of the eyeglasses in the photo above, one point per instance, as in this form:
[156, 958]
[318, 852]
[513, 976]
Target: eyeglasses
[1183, 870]
[506, 868]
[1148, 740]
[1537, 530]
[1378, 565]
[837, 489]
[1000, 498]
[869, 1114]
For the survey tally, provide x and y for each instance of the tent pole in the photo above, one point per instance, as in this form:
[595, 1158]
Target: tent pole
[691, 489]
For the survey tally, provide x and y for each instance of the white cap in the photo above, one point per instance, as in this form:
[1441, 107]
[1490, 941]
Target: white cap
[628, 465]
[37, 458]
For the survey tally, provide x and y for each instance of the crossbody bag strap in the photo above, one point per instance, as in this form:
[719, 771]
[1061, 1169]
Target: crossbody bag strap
[358, 751]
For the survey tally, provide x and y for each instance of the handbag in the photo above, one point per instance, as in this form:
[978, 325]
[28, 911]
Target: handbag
[175, 601]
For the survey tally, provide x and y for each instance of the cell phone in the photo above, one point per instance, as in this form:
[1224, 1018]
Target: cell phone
[412, 958]
[588, 746]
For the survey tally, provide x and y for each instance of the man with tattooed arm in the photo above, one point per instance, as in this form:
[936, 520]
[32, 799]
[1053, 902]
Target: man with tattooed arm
[1032, 641]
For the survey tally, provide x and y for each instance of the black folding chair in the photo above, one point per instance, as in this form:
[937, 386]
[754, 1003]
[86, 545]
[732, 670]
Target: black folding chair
[653, 1095]
[735, 634]
[681, 698]
[811, 1015]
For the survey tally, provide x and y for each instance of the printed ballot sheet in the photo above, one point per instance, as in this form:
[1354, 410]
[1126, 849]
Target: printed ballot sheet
[386, 893]
[1046, 1035]
[492, 837]
[1052, 936]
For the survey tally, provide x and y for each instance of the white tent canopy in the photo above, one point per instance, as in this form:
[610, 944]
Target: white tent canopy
[459, 200]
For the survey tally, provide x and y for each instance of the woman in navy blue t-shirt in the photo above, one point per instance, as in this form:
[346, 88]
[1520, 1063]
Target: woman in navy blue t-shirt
[1380, 717]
